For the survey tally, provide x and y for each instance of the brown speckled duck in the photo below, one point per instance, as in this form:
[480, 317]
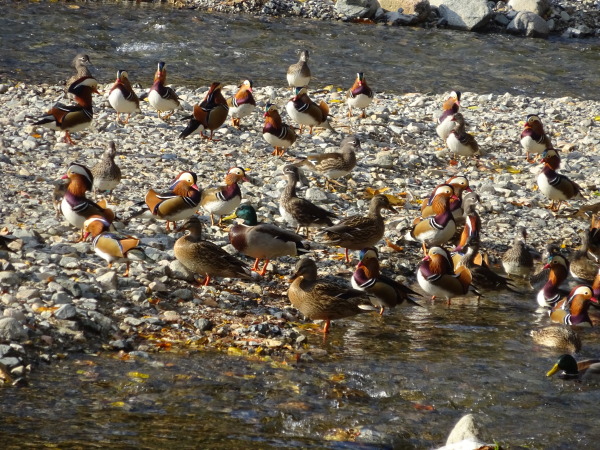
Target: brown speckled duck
[107, 175]
[581, 266]
[298, 74]
[559, 337]
[517, 260]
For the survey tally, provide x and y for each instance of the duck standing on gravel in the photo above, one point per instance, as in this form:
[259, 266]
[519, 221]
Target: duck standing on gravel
[553, 185]
[298, 74]
[223, 200]
[210, 114]
[107, 175]
[162, 98]
[122, 97]
[304, 111]
[517, 260]
[278, 134]
[242, 104]
[360, 95]
[449, 108]
[459, 141]
[533, 137]
[81, 63]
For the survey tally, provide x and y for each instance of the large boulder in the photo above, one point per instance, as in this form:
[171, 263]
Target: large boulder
[529, 24]
[357, 9]
[464, 14]
[539, 7]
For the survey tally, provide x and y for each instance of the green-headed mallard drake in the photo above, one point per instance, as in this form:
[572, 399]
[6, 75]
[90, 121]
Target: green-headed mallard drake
[459, 141]
[437, 278]
[573, 310]
[242, 104]
[550, 294]
[180, 202]
[304, 111]
[360, 95]
[162, 98]
[517, 260]
[450, 107]
[298, 74]
[300, 212]
[460, 185]
[322, 300]
[559, 337]
[223, 200]
[205, 258]
[533, 137]
[112, 247]
[582, 370]
[122, 97]
[210, 114]
[263, 240]
[581, 266]
[107, 175]
[278, 134]
[385, 292]
[553, 185]
[358, 232]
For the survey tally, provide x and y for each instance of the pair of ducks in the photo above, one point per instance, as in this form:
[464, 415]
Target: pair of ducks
[451, 128]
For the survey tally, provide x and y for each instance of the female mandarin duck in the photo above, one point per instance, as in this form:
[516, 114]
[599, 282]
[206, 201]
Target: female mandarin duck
[459, 141]
[179, 203]
[81, 63]
[449, 108]
[533, 137]
[306, 112]
[359, 95]
[263, 240]
[107, 175]
[551, 293]
[573, 310]
[112, 247]
[558, 336]
[75, 206]
[210, 114]
[582, 266]
[460, 185]
[300, 212]
[70, 118]
[205, 258]
[437, 277]
[356, 232]
[573, 370]
[517, 260]
[298, 74]
[242, 104]
[223, 200]
[385, 292]
[123, 98]
[322, 300]
[553, 185]
[278, 134]
[163, 98]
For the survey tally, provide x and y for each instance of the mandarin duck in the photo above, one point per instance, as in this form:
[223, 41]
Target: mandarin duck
[551, 293]
[70, 118]
[385, 292]
[180, 202]
[110, 246]
[356, 232]
[359, 95]
[205, 258]
[210, 114]
[263, 240]
[278, 134]
[594, 243]
[533, 137]
[318, 299]
[300, 212]
[581, 266]
[306, 112]
[334, 165]
[122, 97]
[460, 185]
[107, 175]
[298, 74]
[162, 98]
[560, 337]
[459, 141]
[573, 370]
[471, 232]
[81, 63]
[242, 104]
[449, 108]
[573, 310]
[517, 260]
[553, 185]
[596, 284]
[75, 207]
[437, 278]
[483, 277]
[59, 190]
[223, 200]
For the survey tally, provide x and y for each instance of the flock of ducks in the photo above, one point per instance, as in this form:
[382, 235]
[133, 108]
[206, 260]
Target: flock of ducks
[442, 273]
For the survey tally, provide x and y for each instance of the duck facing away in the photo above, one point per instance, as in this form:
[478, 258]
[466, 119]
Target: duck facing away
[298, 74]
[517, 260]
[210, 114]
[450, 107]
[573, 370]
[459, 141]
[304, 111]
[559, 337]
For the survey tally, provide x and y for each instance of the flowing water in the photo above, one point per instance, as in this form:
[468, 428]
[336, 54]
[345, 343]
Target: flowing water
[400, 381]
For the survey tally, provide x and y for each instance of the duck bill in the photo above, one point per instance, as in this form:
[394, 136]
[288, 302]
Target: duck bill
[230, 217]
[547, 266]
[553, 370]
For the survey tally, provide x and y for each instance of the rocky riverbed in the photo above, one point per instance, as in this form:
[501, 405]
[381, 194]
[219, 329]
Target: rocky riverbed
[58, 297]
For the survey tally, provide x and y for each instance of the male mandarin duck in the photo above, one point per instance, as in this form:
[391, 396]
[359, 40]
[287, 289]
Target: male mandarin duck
[573, 370]
[162, 98]
[334, 165]
[574, 309]
[242, 104]
[596, 284]
[278, 134]
[210, 114]
[533, 137]
[459, 141]
[223, 200]
[385, 292]
[300, 212]
[263, 240]
[318, 299]
[110, 246]
[359, 95]
[581, 265]
[122, 97]
[179, 203]
[594, 244]
[471, 232]
[483, 277]
[107, 175]
[356, 232]
[517, 260]
[70, 118]
[75, 206]
[205, 258]
[460, 185]
[551, 293]
[298, 74]
[553, 185]
[437, 278]
[449, 108]
[558, 336]
[81, 63]
[306, 112]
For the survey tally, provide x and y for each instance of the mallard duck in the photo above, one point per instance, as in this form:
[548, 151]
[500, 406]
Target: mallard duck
[559, 337]
[223, 200]
[517, 260]
[122, 97]
[573, 310]
[322, 300]
[553, 185]
[582, 370]
[437, 278]
[298, 74]
[581, 266]
[107, 175]
[205, 258]
[242, 104]
[533, 137]
[358, 232]
[263, 240]
[360, 95]
[386, 292]
[450, 107]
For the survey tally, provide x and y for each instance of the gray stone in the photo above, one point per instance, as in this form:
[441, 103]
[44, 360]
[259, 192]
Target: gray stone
[11, 330]
[466, 431]
[464, 14]
[529, 24]
[15, 314]
[357, 9]
[28, 294]
[10, 361]
[66, 312]
[179, 272]
[9, 278]
[203, 324]
[183, 294]
[539, 7]
[108, 281]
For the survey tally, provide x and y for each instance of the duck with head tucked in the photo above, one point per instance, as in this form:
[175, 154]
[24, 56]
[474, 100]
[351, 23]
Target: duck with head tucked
[107, 175]
[437, 278]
